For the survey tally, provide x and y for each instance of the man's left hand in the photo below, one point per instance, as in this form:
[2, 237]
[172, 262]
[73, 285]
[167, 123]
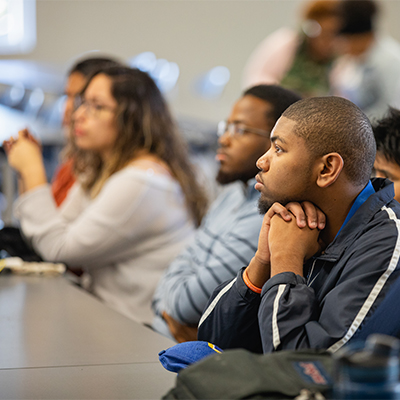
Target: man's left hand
[291, 245]
[181, 333]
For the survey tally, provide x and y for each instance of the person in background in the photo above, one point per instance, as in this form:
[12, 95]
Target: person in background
[328, 250]
[368, 71]
[298, 60]
[228, 237]
[78, 75]
[387, 160]
[136, 201]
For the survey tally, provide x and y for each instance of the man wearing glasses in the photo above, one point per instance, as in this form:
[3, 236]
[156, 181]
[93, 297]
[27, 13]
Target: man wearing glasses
[227, 238]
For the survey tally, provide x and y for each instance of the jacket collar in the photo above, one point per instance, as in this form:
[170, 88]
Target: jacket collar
[384, 193]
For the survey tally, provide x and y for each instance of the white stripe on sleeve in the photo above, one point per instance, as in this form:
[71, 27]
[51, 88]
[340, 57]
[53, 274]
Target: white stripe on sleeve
[375, 290]
[276, 340]
[211, 307]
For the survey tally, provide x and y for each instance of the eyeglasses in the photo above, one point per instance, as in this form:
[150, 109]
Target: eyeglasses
[91, 107]
[236, 130]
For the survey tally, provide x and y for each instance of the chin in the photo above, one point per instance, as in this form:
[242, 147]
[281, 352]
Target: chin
[82, 143]
[265, 202]
[224, 178]
[264, 205]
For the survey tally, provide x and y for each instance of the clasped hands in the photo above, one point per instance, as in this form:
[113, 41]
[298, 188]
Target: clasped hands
[22, 152]
[25, 156]
[289, 236]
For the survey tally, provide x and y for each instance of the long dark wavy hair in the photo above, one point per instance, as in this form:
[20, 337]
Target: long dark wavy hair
[144, 123]
[86, 67]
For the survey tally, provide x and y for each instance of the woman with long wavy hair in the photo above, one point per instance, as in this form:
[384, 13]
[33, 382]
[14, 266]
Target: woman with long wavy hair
[136, 202]
[77, 77]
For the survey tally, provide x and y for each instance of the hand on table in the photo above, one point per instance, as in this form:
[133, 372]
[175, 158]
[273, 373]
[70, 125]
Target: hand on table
[181, 333]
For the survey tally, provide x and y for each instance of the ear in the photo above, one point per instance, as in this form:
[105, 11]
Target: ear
[330, 167]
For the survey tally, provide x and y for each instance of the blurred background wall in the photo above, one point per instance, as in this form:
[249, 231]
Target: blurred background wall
[197, 35]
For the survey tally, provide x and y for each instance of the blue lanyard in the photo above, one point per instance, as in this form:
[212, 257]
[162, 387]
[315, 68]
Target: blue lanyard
[361, 198]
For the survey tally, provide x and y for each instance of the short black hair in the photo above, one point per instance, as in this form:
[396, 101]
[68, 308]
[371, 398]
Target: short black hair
[387, 135]
[89, 66]
[357, 16]
[277, 96]
[336, 125]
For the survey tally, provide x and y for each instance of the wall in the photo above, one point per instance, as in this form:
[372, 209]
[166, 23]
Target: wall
[198, 35]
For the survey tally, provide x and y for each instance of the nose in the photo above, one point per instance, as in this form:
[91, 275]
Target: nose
[225, 139]
[263, 162]
[78, 113]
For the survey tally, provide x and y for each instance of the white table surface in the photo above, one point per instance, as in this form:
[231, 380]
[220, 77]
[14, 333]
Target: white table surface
[57, 341]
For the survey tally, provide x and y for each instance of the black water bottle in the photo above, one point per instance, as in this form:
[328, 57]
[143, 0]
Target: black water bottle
[368, 370]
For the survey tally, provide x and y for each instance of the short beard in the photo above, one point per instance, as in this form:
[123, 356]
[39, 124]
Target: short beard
[264, 205]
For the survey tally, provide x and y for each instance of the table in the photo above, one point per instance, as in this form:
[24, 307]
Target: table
[57, 341]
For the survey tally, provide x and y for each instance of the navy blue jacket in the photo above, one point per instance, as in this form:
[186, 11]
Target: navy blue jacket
[341, 289]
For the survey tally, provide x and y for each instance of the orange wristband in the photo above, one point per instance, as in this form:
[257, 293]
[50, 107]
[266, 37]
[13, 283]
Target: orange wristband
[249, 284]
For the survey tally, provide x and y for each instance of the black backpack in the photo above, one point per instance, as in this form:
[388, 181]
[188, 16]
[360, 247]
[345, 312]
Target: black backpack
[15, 245]
[239, 374]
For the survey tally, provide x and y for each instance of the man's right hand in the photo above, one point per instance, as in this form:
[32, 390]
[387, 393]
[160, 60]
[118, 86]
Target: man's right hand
[305, 213]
